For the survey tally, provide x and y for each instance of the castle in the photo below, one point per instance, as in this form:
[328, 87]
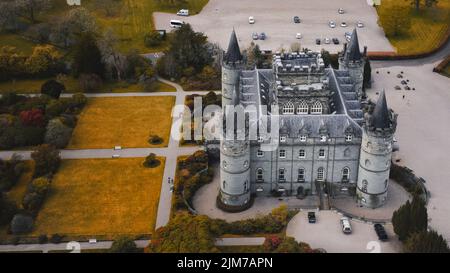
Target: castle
[329, 135]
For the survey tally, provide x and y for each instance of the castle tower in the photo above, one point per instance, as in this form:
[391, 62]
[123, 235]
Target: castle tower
[232, 66]
[352, 60]
[376, 152]
[234, 175]
[234, 192]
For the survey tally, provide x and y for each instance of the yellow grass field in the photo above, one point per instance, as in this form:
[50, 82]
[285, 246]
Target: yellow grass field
[102, 197]
[123, 121]
[428, 28]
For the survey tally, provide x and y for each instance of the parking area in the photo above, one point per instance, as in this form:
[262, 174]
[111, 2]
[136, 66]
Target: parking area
[275, 19]
[327, 233]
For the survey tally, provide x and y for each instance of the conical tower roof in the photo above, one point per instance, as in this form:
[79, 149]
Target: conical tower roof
[353, 53]
[380, 115]
[233, 53]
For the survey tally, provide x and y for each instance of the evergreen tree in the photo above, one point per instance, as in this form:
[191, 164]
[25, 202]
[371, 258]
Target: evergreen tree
[410, 218]
[426, 242]
[87, 57]
[367, 74]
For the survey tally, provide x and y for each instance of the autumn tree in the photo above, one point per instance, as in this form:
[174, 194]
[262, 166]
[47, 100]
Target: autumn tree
[33, 117]
[45, 60]
[46, 159]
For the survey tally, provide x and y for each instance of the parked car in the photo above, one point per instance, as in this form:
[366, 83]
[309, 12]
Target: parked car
[407, 88]
[381, 232]
[331, 24]
[251, 20]
[343, 24]
[255, 36]
[360, 24]
[311, 217]
[183, 12]
[397, 87]
[296, 19]
[400, 76]
[403, 82]
[298, 35]
[341, 11]
[262, 36]
[317, 41]
[335, 41]
[327, 40]
[346, 226]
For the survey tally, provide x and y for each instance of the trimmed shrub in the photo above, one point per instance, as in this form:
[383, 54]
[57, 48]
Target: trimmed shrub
[151, 161]
[52, 88]
[57, 133]
[155, 140]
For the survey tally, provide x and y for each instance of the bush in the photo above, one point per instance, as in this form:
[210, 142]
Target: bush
[33, 117]
[123, 245]
[57, 134]
[54, 108]
[10, 172]
[52, 88]
[21, 224]
[56, 238]
[42, 239]
[78, 100]
[47, 160]
[155, 140]
[153, 39]
[151, 161]
[90, 82]
[7, 210]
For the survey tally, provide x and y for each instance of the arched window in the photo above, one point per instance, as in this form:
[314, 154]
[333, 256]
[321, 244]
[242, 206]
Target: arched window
[345, 174]
[320, 174]
[259, 175]
[288, 108]
[302, 108]
[364, 186]
[316, 108]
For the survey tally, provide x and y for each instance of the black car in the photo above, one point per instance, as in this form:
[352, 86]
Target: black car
[296, 19]
[381, 232]
[335, 41]
[317, 41]
[311, 217]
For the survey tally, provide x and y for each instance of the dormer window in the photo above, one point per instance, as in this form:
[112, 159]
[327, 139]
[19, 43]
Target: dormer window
[260, 139]
[323, 138]
[348, 137]
[288, 108]
[282, 139]
[303, 138]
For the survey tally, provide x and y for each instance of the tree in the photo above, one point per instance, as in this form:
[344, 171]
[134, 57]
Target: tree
[289, 245]
[57, 133]
[410, 218]
[123, 245]
[395, 19]
[12, 63]
[52, 88]
[8, 16]
[87, 58]
[33, 117]
[426, 242]
[21, 224]
[46, 159]
[44, 61]
[254, 56]
[29, 9]
[151, 161]
[90, 82]
[115, 61]
[186, 49]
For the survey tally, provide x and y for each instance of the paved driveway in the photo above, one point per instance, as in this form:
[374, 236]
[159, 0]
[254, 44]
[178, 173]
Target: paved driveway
[275, 18]
[327, 234]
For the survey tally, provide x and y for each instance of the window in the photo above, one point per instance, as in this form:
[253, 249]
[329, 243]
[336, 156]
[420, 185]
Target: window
[282, 153]
[246, 186]
[288, 108]
[260, 139]
[259, 153]
[301, 175]
[259, 175]
[385, 183]
[364, 186]
[224, 184]
[282, 138]
[245, 163]
[320, 174]
[302, 108]
[303, 138]
[322, 153]
[224, 164]
[345, 174]
[323, 138]
[348, 137]
[281, 176]
[316, 108]
[301, 153]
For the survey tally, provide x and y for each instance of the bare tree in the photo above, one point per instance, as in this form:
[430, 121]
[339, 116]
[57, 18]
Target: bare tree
[111, 57]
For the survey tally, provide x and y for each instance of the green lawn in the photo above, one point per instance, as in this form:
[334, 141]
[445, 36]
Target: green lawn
[131, 20]
[428, 28]
[34, 86]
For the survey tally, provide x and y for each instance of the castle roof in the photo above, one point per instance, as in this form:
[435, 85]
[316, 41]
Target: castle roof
[233, 53]
[352, 53]
[380, 115]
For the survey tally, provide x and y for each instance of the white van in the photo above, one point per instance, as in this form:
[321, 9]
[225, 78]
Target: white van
[346, 226]
[176, 23]
[183, 12]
